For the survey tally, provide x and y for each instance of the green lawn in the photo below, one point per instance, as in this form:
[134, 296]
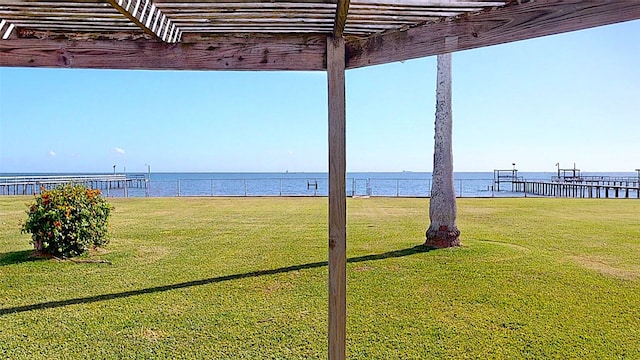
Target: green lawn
[247, 278]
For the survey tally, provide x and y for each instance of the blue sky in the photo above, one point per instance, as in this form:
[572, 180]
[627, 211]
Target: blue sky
[566, 98]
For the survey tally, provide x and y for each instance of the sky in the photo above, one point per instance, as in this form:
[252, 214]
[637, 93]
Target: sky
[568, 98]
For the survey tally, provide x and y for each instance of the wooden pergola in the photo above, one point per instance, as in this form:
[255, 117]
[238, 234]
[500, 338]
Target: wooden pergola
[322, 35]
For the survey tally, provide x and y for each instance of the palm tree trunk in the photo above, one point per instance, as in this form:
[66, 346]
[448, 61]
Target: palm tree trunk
[443, 231]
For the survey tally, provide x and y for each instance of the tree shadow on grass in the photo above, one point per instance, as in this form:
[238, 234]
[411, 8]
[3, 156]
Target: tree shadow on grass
[91, 299]
[17, 257]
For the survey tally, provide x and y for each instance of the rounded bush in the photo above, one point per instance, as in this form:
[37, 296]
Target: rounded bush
[67, 220]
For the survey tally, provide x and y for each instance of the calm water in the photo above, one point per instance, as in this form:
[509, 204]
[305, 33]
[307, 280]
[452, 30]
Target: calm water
[412, 184]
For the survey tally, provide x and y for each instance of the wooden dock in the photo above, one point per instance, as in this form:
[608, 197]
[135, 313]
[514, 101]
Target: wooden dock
[509, 176]
[29, 185]
[570, 183]
[592, 187]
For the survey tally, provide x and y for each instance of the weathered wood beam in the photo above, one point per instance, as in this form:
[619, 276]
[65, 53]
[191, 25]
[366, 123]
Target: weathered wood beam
[337, 199]
[516, 21]
[5, 29]
[48, 2]
[342, 9]
[149, 18]
[208, 2]
[293, 52]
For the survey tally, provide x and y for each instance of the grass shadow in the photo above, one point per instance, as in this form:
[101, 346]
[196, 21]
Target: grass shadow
[91, 299]
[17, 257]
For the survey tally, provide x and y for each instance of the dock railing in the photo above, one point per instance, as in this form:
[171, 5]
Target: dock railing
[583, 187]
[32, 184]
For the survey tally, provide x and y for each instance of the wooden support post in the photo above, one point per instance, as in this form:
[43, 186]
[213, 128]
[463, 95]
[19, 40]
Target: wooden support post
[340, 21]
[337, 199]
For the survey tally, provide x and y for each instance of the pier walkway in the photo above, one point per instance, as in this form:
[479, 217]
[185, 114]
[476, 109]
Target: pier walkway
[570, 183]
[28, 185]
[584, 187]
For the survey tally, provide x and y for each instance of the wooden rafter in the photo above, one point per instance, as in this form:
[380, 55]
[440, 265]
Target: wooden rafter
[148, 17]
[5, 29]
[514, 22]
[342, 9]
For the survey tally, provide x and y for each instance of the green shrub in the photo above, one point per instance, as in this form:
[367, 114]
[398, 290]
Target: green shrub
[67, 220]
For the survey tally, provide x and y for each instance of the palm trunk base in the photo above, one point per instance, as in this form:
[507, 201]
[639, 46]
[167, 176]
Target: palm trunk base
[442, 237]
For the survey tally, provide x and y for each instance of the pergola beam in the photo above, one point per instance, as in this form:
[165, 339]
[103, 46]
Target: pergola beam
[207, 2]
[513, 22]
[294, 52]
[5, 29]
[149, 18]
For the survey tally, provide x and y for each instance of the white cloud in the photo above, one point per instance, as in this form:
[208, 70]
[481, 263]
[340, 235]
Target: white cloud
[52, 153]
[119, 150]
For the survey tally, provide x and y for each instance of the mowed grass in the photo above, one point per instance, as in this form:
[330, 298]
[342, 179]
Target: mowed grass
[246, 278]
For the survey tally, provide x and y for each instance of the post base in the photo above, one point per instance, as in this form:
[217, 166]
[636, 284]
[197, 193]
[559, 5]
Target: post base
[442, 238]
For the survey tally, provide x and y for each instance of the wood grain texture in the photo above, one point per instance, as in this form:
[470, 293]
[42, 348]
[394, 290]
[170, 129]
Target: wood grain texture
[51, 2]
[295, 52]
[244, 1]
[513, 22]
[337, 199]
